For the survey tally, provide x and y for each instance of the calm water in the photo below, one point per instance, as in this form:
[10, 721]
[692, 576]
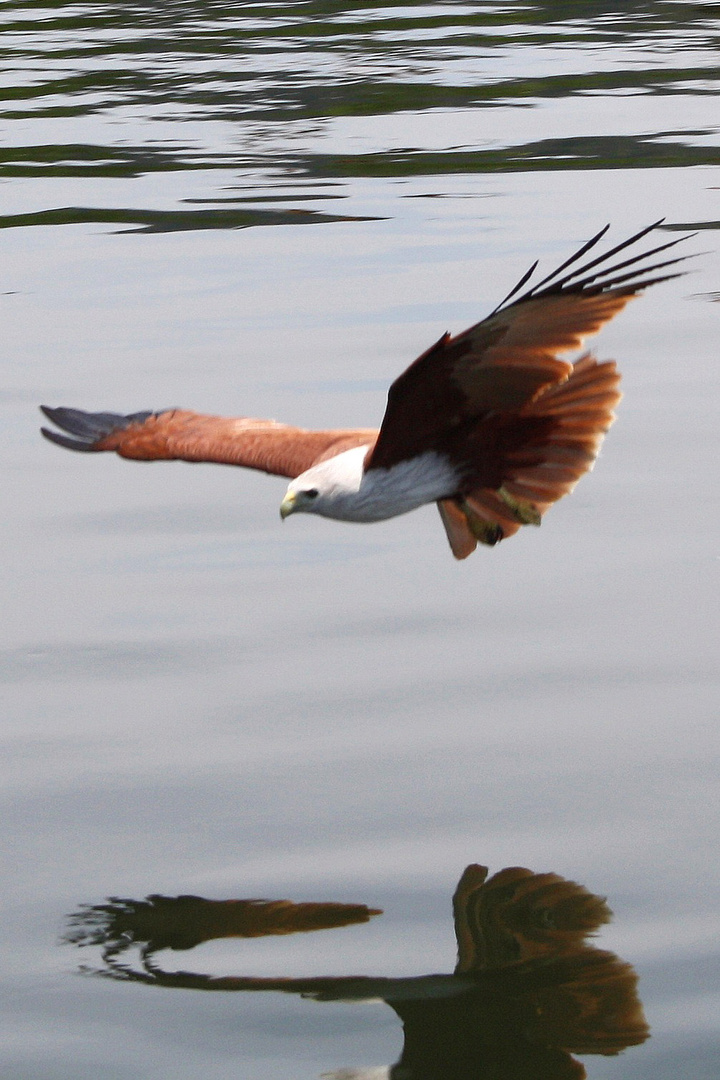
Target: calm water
[199, 700]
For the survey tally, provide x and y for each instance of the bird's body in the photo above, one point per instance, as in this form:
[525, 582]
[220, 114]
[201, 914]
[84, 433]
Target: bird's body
[347, 491]
[492, 425]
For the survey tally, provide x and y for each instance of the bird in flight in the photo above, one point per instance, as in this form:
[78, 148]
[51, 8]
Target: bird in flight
[493, 425]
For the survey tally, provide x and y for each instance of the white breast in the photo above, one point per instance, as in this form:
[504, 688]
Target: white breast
[348, 493]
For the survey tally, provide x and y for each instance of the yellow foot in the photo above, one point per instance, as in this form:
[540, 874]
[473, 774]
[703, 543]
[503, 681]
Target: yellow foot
[486, 532]
[521, 509]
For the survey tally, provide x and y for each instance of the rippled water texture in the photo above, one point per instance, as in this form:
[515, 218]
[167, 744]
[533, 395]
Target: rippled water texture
[200, 700]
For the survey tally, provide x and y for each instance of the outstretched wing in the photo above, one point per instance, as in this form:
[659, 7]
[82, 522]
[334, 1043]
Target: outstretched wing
[520, 423]
[179, 435]
[502, 363]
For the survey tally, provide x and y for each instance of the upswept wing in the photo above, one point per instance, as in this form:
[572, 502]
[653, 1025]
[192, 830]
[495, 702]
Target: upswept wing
[179, 435]
[557, 438]
[504, 362]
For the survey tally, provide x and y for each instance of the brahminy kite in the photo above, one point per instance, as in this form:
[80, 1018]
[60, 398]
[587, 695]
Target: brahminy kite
[492, 425]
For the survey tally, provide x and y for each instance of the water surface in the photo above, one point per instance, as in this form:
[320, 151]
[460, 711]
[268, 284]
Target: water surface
[200, 700]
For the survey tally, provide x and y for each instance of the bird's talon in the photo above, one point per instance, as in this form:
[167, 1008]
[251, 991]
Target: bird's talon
[521, 509]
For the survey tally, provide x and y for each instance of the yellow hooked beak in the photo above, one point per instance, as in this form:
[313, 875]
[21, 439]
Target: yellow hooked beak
[287, 506]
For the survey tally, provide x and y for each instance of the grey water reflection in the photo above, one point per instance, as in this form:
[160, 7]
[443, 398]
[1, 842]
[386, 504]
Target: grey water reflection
[527, 992]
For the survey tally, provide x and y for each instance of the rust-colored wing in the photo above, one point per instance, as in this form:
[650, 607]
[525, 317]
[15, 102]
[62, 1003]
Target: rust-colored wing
[500, 365]
[521, 424]
[554, 440]
[178, 435]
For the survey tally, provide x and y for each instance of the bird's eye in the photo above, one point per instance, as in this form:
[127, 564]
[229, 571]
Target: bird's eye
[311, 493]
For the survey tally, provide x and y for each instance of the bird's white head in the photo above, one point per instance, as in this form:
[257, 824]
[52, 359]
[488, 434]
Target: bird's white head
[340, 488]
[329, 489]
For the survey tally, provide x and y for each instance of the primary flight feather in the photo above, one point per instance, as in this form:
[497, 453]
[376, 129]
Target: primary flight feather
[492, 425]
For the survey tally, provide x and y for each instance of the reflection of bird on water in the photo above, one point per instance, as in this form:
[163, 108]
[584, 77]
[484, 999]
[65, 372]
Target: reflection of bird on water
[541, 990]
[492, 425]
[527, 991]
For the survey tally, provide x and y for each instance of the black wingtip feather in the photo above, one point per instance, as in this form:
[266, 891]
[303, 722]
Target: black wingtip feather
[611, 272]
[88, 428]
[574, 258]
[516, 288]
[604, 277]
[68, 443]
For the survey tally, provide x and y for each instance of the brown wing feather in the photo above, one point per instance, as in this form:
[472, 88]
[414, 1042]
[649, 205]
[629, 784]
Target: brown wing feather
[571, 419]
[500, 365]
[179, 435]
